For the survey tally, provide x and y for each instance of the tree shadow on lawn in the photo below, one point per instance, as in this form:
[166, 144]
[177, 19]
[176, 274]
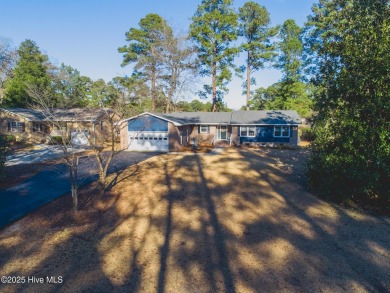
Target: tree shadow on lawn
[343, 249]
[233, 222]
[80, 248]
[210, 255]
[264, 232]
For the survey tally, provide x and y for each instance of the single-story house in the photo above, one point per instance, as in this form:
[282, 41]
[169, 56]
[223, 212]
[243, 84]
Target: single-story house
[170, 132]
[37, 126]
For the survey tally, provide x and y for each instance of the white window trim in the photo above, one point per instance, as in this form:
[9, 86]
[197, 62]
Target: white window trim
[14, 126]
[281, 131]
[219, 131]
[247, 131]
[200, 129]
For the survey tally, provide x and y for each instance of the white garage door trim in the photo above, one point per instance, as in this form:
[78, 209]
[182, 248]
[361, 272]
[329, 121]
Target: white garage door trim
[148, 141]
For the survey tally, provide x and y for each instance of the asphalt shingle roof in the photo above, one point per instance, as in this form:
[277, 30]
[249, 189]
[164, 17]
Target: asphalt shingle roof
[236, 117]
[198, 117]
[29, 114]
[77, 114]
[266, 117]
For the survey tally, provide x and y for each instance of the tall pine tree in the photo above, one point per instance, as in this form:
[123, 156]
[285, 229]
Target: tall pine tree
[291, 92]
[291, 50]
[255, 29]
[143, 47]
[214, 28]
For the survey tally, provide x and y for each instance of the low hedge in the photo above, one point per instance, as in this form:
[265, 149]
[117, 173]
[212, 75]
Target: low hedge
[9, 138]
[55, 140]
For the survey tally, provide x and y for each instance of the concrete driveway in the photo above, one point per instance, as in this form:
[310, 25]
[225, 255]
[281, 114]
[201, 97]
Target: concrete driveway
[38, 153]
[53, 181]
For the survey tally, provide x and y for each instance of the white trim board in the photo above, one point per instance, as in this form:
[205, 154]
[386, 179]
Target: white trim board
[148, 113]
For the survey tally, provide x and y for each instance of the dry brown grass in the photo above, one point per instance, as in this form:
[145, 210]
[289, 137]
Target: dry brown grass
[240, 221]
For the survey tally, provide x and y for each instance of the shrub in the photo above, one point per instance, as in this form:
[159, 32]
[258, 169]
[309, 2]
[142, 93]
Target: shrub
[9, 138]
[55, 140]
[307, 134]
[342, 167]
[300, 133]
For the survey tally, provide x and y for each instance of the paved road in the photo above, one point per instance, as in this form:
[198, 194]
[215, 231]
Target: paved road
[39, 153]
[52, 182]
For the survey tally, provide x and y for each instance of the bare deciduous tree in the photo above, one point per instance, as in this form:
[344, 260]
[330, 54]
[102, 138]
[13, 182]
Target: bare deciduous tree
[179, 64]
[105, 144]
[8, 58]
[59, 135]
[103, 141]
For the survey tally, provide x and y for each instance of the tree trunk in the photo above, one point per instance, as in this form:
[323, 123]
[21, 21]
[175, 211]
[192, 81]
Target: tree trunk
[168, 106]
[102, 173]
[153, 89]
[153, 80]
[214, 84]
[170, 93]
[214, 80]
[73, 179]
[102, 179]
[75, 198]
[248, 82]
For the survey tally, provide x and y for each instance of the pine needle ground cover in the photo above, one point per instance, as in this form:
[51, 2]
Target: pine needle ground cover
[238, 221]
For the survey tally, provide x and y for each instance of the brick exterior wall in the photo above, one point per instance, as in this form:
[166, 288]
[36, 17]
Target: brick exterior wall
[28, 135]
[124, 135]
[174, 138]
[235, 135]
[40, 137]
[177, 136]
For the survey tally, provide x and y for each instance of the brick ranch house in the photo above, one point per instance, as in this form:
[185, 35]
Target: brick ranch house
[170, 132]
[34, 126]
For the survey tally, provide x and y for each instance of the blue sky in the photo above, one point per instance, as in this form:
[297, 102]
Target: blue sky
[87, 33]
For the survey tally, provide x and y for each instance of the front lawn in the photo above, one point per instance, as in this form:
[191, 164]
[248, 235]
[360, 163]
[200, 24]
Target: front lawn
[238, 221]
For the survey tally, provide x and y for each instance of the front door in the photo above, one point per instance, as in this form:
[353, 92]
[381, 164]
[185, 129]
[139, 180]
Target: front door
[222, 129]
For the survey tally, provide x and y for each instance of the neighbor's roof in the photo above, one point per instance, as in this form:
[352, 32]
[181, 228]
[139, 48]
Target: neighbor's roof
[28, 114]
[265, 117]
[77, 114]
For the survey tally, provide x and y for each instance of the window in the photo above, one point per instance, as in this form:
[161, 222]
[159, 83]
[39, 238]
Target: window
[281, 131]
[203, 129]
[16, 126]
[249, 131]
[39, 127]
